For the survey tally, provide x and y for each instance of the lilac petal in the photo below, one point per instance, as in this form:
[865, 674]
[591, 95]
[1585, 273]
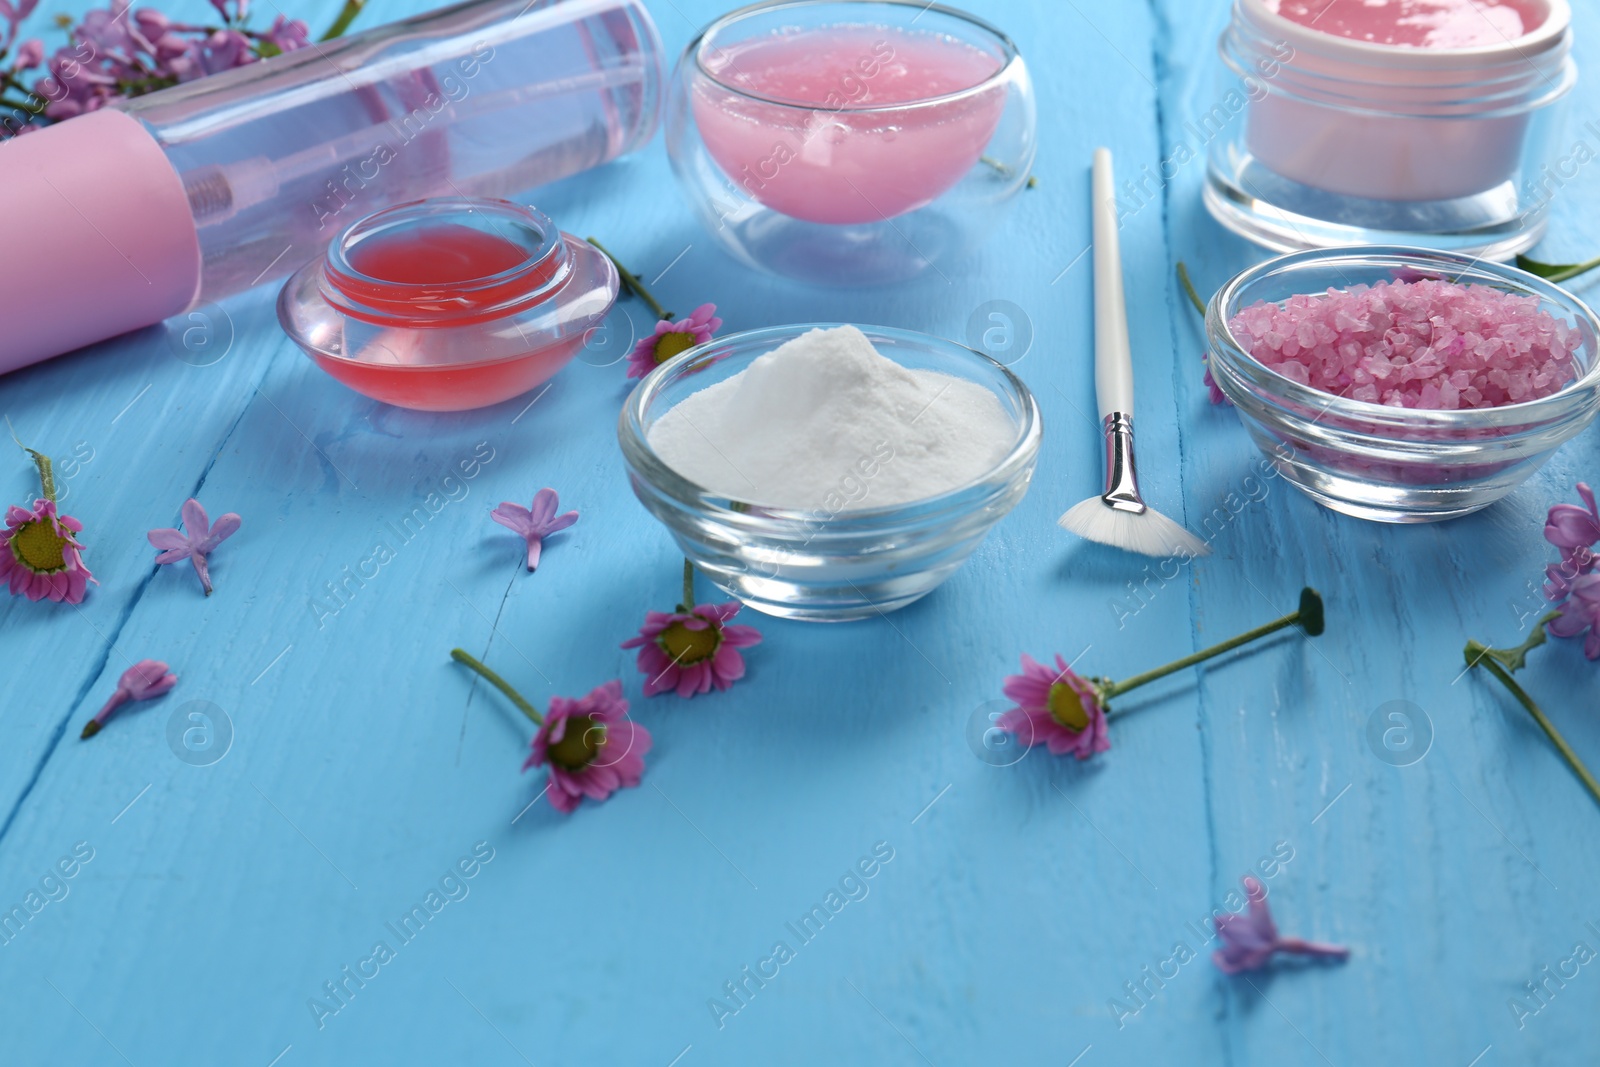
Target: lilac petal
[544, 506]
[173, 555]
[225, 527]
[513, 517]
[195, 521]
[1570, 623]
[168, 539]
[560, 522]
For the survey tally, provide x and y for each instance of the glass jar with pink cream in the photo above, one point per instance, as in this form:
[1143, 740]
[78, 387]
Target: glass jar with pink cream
[1423, 122]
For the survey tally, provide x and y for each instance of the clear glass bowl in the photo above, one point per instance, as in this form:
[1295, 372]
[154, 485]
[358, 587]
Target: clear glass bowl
[815, 564]
[1385, 463]
[855, 189]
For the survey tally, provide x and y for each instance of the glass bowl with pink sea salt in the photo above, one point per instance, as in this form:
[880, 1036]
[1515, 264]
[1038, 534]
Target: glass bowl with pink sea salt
[1404, 385]
[850, 142]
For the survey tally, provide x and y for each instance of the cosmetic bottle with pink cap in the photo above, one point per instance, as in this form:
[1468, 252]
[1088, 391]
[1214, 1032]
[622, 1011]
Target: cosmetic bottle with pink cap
[1420, 122]
[143, 210]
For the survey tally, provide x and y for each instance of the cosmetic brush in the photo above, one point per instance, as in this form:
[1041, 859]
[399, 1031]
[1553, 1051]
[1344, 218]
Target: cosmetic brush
[1119, 516]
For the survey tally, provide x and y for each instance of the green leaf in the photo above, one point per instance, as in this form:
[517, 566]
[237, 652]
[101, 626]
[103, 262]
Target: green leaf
[1512, 659]
[1556, 272]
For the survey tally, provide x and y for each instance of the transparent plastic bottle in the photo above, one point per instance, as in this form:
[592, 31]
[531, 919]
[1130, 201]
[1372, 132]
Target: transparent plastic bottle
[200, 191]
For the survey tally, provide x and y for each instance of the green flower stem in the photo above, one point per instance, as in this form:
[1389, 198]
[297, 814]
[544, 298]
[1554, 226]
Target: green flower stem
[47, 480]
[1309, 618]
[688, 587]
[347, 15]
[1493, 666]
[1556, 272]
[462, 656]
[1188, 287]
[632, 283]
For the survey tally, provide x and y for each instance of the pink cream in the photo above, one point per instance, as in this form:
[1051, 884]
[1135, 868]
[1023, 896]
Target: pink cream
[807, 122]
[1430, 24]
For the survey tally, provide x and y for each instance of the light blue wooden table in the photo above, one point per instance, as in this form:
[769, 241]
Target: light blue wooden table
[1019, 900]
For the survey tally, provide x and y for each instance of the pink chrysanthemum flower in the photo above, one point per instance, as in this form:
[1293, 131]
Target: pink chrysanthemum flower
[536, 523]
[202, 539]
[145, 680]
[591, 746]
[1057, 708]
[40, 556]
[672, 339]
[1250, 939]
[692, 651]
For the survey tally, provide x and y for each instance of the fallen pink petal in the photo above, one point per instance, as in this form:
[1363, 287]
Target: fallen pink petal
[534, 523]
[145, 680]
[200, 540]
[1250, 938]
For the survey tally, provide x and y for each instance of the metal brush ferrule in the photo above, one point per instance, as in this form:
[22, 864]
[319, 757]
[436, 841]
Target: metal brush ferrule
[1122, 480]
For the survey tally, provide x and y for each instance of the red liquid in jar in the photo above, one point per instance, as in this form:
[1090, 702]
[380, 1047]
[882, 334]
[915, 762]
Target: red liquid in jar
[440, 268]
[443, 268]
[1418, 23]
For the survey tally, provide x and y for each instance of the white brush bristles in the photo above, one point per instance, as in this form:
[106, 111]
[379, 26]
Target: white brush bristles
[1149, 533]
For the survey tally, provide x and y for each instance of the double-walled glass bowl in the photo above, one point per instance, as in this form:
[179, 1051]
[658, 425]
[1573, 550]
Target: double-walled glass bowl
[1386, 463]
[850, 142]
[820, 564]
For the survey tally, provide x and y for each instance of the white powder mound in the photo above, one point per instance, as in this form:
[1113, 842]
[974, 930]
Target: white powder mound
[826, 423]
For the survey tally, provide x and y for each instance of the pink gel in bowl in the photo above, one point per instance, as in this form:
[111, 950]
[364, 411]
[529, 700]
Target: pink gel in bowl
[847, 124]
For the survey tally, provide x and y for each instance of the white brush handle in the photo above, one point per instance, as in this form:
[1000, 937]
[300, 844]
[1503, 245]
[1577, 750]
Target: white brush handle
[1113, 356]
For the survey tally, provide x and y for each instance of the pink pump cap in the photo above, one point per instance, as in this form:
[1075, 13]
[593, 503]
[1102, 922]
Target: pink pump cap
[102, 238]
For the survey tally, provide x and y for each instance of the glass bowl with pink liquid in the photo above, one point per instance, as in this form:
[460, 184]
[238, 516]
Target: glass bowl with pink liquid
[850, 142]
[1387, 463]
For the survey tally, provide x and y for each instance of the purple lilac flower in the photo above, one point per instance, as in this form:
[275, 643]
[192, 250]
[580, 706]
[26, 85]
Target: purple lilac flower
[536, 523]
[201, 540]
[1574, 585]
[1250, 938]
[145, 680]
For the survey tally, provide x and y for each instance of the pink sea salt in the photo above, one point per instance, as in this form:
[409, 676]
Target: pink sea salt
[1423, 343]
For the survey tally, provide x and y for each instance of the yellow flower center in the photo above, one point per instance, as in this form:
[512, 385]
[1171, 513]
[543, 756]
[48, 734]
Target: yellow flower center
[671, 344]
[580, 744]
[689, 646]
[40, 547]
[1067, 707]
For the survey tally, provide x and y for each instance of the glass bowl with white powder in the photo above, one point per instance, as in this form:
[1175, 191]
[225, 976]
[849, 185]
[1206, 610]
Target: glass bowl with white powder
[830, 472]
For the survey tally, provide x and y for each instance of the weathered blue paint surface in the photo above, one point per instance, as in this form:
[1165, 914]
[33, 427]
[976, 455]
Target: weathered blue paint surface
[1018, 902]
